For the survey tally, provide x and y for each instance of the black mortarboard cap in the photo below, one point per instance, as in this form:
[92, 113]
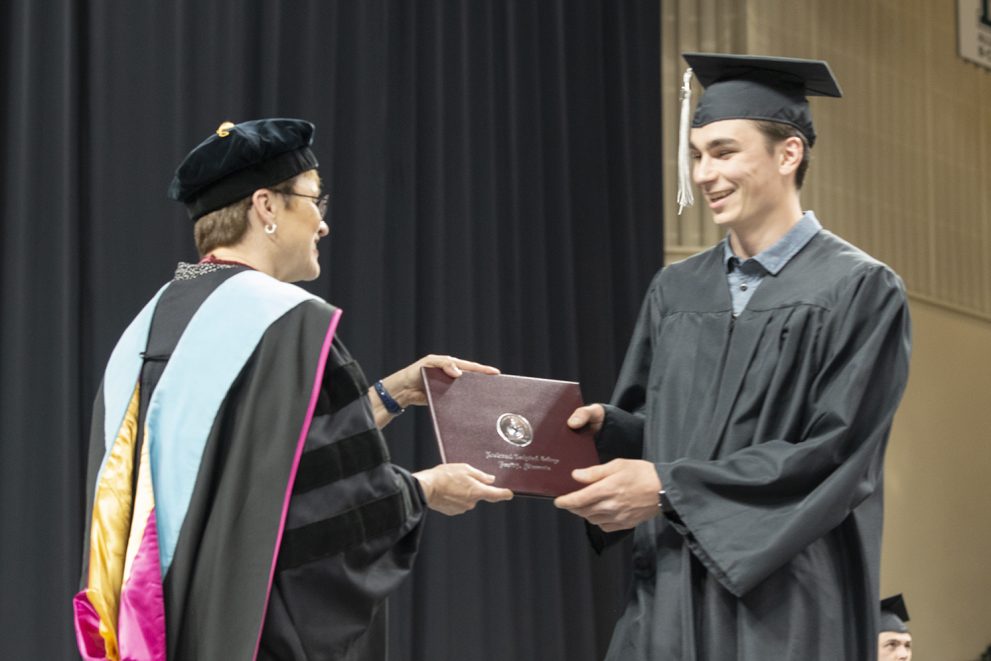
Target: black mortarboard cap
[894, 615]
[757, 87]
[238, 159]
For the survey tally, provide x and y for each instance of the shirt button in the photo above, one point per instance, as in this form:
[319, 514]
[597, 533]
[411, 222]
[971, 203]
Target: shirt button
[743, 288]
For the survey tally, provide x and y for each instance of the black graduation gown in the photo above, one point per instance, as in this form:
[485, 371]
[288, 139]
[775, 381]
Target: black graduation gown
[353, 522]
[768, 432]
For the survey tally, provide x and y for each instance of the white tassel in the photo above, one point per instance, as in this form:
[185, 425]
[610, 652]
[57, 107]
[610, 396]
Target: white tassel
[685, 196]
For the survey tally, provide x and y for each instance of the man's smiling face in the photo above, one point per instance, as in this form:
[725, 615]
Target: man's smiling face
[736, 171]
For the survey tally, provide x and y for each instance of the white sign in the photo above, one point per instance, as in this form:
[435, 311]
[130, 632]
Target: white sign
[974, 31]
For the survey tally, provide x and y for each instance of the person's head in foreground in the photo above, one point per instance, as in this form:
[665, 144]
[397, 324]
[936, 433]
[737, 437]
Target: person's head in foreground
[253, 191]
[894, 642]
[751, 135]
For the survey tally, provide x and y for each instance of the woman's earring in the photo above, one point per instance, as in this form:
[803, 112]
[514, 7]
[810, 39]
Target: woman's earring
[270, 228]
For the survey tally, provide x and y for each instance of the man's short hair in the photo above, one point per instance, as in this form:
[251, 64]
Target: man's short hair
[226, 226]
[777, 132]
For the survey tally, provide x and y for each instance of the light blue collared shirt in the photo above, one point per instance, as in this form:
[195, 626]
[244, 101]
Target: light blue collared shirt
[744, 277]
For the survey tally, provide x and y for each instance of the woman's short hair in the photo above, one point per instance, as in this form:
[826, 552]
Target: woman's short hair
[226, 226]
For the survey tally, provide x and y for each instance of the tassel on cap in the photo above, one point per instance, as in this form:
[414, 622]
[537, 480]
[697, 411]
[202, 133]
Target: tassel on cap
[685, 196]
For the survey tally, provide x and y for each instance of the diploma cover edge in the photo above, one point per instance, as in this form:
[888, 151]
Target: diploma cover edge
[433, 416]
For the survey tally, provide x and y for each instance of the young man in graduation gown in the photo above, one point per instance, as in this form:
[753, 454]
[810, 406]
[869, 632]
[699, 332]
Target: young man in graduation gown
[749, 422]
[241, 502]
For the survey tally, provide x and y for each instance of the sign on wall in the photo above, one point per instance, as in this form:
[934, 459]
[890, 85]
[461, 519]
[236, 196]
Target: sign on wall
[974, 31]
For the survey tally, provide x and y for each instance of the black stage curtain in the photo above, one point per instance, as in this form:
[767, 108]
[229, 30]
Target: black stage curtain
[495, 176]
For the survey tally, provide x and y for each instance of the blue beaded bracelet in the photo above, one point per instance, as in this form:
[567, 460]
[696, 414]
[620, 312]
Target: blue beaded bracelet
[391, 405]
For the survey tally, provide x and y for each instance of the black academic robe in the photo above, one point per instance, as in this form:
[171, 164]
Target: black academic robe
[768, 433]
[285, 552]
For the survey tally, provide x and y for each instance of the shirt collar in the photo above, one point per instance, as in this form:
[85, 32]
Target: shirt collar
[775, 258]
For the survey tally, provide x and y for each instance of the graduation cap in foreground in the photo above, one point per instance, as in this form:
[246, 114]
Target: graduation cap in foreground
[238, 159]
[750, 87]
[894, 615]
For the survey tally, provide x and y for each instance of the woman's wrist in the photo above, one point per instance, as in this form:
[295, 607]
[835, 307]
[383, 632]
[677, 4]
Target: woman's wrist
[425, 478]
[392, 398]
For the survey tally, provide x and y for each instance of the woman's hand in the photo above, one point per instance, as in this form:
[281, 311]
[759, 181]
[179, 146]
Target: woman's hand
[406, 385]
[456, 488]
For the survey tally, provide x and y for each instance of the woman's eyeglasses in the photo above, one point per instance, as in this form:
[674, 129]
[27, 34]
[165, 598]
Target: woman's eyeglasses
[322, 201]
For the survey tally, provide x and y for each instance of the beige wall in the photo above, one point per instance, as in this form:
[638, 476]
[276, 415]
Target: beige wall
[937, 534]
[902, 169]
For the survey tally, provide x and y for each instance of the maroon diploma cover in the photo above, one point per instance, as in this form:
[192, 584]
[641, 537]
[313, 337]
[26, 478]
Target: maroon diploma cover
[514, 427]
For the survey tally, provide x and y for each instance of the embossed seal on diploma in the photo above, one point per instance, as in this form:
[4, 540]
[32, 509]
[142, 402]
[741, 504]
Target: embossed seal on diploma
[515, 429]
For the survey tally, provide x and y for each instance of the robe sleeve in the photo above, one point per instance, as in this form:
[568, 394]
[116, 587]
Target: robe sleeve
[352, 534]
[621, 435]
[749, 513]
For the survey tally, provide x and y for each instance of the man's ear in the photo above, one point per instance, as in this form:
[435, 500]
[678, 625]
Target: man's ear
[790, 153]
